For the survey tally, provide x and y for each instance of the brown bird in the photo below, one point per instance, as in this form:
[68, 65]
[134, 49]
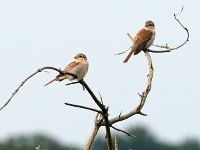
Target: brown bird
[143, 39]
[79, 67]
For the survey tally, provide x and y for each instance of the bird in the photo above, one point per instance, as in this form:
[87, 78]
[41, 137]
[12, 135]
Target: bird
[143, 39]
[78, 67]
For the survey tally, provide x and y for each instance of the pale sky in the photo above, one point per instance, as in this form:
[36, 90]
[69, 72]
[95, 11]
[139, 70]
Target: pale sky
[38, 33]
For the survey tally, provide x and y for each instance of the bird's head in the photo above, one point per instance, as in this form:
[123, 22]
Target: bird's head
[80, 56]
[149, 24]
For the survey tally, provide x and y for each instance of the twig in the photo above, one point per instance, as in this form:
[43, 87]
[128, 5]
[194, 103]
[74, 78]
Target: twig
[101, 98]
[158, 51]
[33, 74]
[92, 95]
[72, 83]
[120, 114]
[123, 131]
[130, 37]
[123, 51]
[167, 47]
[84, 107]
[188, 35]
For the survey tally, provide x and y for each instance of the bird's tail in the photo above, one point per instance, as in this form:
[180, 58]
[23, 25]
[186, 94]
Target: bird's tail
[50, 82]
[128, 57]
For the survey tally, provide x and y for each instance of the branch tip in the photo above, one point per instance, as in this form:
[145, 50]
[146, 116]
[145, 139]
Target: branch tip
[141, 113]
[123, 131]
[120, 114]
[140, 95]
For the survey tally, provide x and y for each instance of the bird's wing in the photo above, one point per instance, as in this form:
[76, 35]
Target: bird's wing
[141, 40]
[71, 66]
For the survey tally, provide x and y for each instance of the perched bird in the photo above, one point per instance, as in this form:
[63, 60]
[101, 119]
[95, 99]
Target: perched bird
[143, 39]
[78, 67]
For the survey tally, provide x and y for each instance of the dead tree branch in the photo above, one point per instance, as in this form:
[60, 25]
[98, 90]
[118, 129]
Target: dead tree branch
[84, 107]
[104, 113]
[93, 134]
[123, 131]
[33, 74]
[175, 48]
[143, 96]
[150, 78]
[71, 83]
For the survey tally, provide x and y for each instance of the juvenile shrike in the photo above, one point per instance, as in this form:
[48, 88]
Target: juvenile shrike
[78, 67]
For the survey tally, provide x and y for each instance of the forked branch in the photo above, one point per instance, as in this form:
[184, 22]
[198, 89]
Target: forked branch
[104, 113]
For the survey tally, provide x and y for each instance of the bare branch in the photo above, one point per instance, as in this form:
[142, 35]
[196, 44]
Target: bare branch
[93, 95]
[123, 131]
[123, 51]
[72, 83]
[175, 48]
[158, 51]
[143, 96]
[120, 114]
[150, 77]
[33, 74]
[93, 134]
[130, 37]
[84, 107]
[104, 113]
[101, 98]
[75, 83]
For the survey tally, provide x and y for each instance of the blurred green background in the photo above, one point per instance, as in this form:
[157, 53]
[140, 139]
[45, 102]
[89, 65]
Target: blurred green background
[144, 140]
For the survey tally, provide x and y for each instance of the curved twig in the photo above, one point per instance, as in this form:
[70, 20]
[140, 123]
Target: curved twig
[131, 135]
[175, 48]
[123, 51]
[33, 74]
[143, 96]
[150, 78]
